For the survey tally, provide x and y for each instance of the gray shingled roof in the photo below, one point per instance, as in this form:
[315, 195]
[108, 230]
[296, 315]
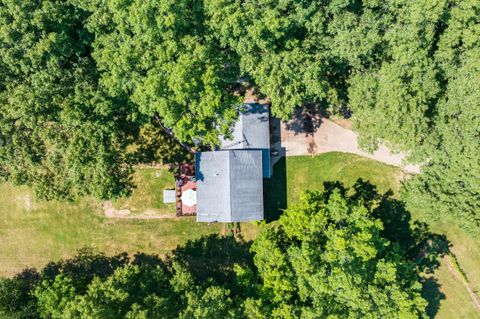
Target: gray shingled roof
[229, 186]
[252, 131]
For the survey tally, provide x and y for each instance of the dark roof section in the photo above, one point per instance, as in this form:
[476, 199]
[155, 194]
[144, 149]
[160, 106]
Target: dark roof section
[252, 131]
[229, 186]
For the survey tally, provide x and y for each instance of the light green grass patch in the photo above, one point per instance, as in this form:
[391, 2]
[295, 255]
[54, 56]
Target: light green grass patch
[310, 172]
[148, 193]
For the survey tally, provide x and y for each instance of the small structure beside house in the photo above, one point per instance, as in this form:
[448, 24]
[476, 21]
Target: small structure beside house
[169, 196]
[186, 191]
[229, 186]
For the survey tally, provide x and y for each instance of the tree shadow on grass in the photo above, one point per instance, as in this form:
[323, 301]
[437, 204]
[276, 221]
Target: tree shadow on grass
[211, 259]
[431, 292]
[419, 244]
[154, 146]
[84, 266]
[16, 294]
[275, 191]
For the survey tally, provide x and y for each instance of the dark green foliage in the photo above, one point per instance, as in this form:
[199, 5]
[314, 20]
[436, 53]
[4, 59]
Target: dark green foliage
[449, 186]
[154, 145]
[59, 132]
[163, 56]
[283, 47]
[327, 257]
[16, 299]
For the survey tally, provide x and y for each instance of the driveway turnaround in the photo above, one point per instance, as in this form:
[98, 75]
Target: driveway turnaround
[321, 135]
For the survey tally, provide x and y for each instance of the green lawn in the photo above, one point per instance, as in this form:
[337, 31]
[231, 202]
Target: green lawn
[31, 233]
[308, 172]
[296, 174]
[148, 195]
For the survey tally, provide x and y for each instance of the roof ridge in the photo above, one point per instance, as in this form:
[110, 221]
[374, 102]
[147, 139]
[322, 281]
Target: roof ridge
[230, 152]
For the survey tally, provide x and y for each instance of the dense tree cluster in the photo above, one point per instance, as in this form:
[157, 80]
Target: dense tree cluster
[60, 133]
[80, 78]
[449, 186]
[332, 255]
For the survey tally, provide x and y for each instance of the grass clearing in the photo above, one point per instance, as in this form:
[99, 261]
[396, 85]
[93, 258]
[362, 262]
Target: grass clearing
[148, 195]
[32, 233]
[310, 172]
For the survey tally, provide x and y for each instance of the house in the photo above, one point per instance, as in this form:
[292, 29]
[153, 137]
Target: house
[230, 180]
[228, 183]
[229, 186]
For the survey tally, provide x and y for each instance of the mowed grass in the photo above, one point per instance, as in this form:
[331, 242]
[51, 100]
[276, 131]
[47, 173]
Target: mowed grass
[307, 172]
[32, 234]
[148, 193]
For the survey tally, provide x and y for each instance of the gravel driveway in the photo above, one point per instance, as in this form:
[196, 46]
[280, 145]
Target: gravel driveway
[308, 136]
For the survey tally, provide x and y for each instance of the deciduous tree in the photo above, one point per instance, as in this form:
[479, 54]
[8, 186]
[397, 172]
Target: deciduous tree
[326, 258]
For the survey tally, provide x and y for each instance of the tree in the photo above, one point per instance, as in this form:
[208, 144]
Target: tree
[16, 300]
[60, 133]
[449, 186]
[394, 102]
[214, 303]
[326, 258]
[167, 61]
[130, 291]
[282, 49]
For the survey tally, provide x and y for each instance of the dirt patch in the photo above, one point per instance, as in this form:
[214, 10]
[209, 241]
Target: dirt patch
[403, 176]
[26, 202]
[328, 136]
[343, 122]
[111, 212]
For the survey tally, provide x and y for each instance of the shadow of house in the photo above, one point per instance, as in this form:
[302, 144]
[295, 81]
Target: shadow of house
[212, 258]
[275, 191]
[277, 151]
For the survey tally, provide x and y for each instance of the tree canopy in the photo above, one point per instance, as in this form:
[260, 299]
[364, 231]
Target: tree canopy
[60, 133]
[326, 258]
[166, 59]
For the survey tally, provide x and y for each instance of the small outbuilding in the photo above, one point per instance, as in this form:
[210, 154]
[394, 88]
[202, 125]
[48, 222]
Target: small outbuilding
[229, 185]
